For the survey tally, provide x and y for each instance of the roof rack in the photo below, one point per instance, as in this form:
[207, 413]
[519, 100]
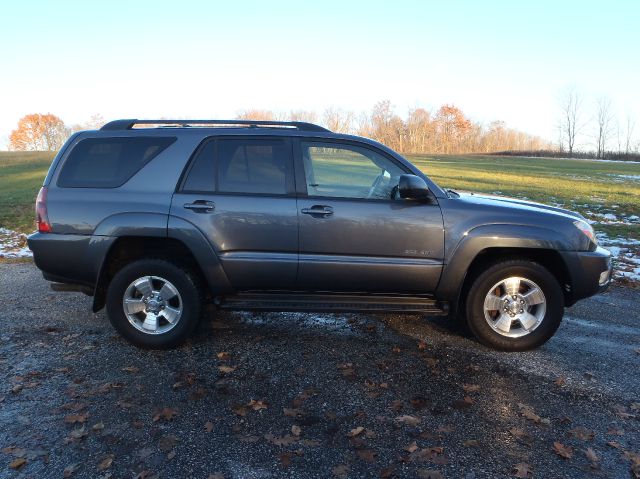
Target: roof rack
[129, 124]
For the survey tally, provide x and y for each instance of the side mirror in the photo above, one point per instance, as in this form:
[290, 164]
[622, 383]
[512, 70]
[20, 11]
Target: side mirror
[412, 187]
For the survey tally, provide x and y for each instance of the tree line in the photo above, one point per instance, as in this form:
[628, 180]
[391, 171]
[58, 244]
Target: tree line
[446, 130]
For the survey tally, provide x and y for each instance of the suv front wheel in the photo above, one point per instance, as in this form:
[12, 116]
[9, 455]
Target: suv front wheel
[514, 305]
[154, 303]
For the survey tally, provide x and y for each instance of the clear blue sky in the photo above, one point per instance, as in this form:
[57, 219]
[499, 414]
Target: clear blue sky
[504, 60]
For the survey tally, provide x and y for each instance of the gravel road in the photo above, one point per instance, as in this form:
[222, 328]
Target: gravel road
[307, 395]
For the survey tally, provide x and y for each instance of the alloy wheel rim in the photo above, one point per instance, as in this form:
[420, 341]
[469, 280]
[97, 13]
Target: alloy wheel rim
[514, 307]
[152, 305]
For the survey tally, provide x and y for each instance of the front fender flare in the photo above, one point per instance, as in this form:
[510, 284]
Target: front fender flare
[484, 237]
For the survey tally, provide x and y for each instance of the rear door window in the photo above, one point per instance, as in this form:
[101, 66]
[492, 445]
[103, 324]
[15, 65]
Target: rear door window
[253, 166]
[109, 162]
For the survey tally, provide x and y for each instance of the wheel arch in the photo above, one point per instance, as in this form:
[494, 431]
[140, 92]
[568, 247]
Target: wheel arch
[488, 244]
[200, 259]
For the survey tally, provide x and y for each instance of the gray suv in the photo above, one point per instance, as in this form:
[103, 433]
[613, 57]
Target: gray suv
[155, 218]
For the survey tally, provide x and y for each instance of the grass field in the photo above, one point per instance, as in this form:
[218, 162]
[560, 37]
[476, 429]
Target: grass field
[606, 193]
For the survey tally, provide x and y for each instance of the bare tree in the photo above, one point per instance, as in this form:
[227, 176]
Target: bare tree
[631, 125]
[337, 120]
[256, 115]
[603, 125]
[571, 117]
[303, 115]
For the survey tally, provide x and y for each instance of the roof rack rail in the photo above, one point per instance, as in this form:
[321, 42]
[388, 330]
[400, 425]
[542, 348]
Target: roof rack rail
[129, 124]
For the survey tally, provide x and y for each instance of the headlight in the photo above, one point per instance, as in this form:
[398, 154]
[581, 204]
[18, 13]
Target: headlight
[587, 230]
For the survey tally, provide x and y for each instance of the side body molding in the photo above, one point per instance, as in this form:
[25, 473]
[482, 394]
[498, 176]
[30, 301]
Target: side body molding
[483, 237]
[203, 252]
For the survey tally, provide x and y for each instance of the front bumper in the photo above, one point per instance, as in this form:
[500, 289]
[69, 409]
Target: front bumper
[590, 271]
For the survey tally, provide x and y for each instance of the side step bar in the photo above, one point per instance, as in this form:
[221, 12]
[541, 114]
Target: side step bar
[342, 303]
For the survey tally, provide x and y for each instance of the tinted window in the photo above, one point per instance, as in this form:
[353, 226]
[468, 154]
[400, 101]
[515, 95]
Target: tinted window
[202, 174]
[252, 166]
[108, 162]
[345, 171]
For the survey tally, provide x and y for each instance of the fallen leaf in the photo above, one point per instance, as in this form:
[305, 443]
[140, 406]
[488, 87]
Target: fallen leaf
[106, 462]
[622, 412]
[208, 426]
[581, 433]
[280, 441]
[422, 345]
[239, 409]
[522, 470]
[471, 388]
[171, 455]
[367, 455]
[590, 376]
[356, 431]
[396, 349]
[528, 413]
[257, 405]
[387, 472]
[413, 447]
[223, 355]
[615, 432]
[465, 403]
[614, 444]
[166, 413]
[293, 412]
[78, 433]
[70, 470]
[419, 402]
[470, 443]
[226, 369]
[295, 430]
[408, 420]
[99, 426]
[131, 369]
[560, 381]
[76, 418]
[563, 451]
[592, 456]
[396, 405]
[18, 463]
[285, 459]
[15, 451]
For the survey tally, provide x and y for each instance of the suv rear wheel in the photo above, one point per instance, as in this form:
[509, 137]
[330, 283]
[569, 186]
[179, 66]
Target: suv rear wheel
[514, 306]
[154, 303]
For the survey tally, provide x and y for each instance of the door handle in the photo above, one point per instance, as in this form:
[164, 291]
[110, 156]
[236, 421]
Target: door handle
[318, 210]
[200, 206]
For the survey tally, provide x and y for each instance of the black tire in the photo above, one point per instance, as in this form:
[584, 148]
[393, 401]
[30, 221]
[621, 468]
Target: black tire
[183, 280]
[474, 308]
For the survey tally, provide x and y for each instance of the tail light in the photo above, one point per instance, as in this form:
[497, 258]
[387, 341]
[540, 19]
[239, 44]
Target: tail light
[42, 218]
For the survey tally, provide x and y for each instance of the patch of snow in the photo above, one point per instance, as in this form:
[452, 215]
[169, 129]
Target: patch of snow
[13, 244]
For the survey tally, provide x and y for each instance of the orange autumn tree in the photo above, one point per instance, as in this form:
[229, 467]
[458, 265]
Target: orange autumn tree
[453, 128]
[38, 132]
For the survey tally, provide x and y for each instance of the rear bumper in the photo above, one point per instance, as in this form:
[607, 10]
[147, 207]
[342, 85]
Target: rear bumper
[74, 259]
[590, 272]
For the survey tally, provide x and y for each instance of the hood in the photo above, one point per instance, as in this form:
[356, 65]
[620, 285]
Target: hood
[514, 203]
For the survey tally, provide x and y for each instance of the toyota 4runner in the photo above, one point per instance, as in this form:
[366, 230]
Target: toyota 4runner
[155, 218]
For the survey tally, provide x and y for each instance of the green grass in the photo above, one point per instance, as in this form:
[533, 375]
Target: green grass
[21, 175]
[579, 185]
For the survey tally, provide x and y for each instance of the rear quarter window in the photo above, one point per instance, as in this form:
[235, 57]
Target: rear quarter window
[109, 162]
